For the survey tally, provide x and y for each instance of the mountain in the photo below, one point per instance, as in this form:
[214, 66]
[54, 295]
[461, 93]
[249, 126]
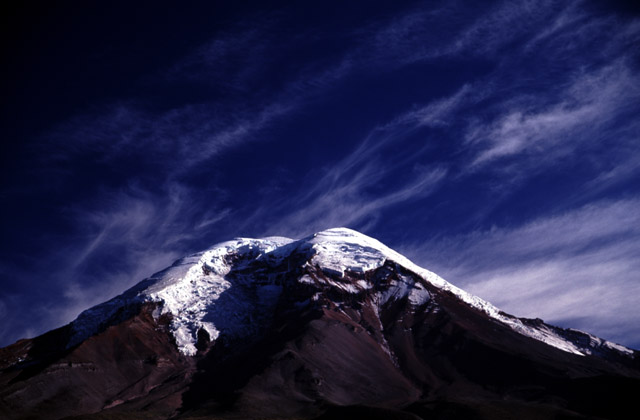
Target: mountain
[335, 325]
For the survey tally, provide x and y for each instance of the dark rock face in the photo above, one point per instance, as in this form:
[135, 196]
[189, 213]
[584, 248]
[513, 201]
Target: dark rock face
[324, 353]
[122, 364]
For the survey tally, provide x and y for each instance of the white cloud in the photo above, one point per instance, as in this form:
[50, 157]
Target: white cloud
[454, 31]
[346, 202]
[439, 112]
[579, 268]
[592, 101]
[120, 239]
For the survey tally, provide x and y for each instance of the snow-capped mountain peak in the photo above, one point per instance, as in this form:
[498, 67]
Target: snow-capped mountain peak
[284, 328]
[232, 288]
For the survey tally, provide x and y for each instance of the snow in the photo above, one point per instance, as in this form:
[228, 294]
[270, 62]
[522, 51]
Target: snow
[208, 290]
[617, 347]
[192, 298]
[596, 343]
[418, 295]
[340, 250]
[343, 249]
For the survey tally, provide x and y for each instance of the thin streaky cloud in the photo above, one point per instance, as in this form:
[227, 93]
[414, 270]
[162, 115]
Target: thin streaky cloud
[593, 100]
[348, 205]
[340, 196]
[439, 112]
[145, 231]
[403, 40]
[552, 267]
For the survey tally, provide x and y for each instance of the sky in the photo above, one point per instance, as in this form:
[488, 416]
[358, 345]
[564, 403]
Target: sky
[495, 143]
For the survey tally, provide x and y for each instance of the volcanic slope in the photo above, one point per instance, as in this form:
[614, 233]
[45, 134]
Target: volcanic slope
[335, 325]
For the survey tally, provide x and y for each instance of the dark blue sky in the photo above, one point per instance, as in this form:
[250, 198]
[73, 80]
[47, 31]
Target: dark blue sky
[497, 145]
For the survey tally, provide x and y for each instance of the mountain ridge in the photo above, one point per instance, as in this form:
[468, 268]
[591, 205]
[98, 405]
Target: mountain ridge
[316, 327]
[178, 290]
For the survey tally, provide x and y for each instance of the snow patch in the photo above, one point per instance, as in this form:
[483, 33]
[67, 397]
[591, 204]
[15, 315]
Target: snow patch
[343, 248]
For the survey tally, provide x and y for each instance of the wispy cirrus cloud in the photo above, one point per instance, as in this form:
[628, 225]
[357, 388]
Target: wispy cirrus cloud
[577, 268]
[177, 139]
[577, 114]
[593, 101]
[348, 203]
[229, 61]
[448, 30]
[515, 128]
[119, 239]
[354, 190]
